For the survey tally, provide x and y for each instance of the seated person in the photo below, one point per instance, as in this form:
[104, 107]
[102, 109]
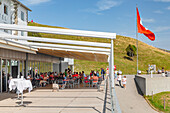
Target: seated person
[51, 77]
[43, 80]
[86, 80]
[60, 81]
[95, 79]
[76, 75]
[29, 77]
[64, 82]
[97, 73]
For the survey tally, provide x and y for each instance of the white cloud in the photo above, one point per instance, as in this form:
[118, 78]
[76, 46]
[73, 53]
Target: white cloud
[103, 5]
[107, 4]
[162, 28]
[168, 8]
[162, 0]
[34, 2]
[158, 12]
[149, 20]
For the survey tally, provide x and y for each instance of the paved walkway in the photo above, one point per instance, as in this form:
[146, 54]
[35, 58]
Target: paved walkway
[129, 99]
[76, 101]
[65, 101]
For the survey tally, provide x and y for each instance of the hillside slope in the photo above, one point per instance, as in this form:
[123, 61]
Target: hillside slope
[147, 54]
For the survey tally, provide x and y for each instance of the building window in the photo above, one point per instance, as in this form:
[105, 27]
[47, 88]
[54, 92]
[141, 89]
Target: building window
[22, 15]
[5, 9]
[5, 30]
[22, 33]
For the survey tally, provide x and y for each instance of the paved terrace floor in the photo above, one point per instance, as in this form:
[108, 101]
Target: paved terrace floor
[76, 101]
[64, 101]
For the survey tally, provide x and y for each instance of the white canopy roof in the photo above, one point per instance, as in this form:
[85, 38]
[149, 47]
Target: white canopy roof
[82, 50]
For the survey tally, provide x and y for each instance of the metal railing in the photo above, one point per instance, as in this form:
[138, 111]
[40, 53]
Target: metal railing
[115, 107]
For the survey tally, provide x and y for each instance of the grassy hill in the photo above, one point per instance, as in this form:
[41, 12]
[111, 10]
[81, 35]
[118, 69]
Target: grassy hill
[147, 54]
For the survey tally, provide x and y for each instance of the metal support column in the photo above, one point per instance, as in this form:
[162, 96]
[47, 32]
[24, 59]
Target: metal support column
[31, 68]
[10, 64]
[34, 70]
[39, 68]
[6, 73]
[22, 67]
[60, 66]
[19, 68]
[112, 63]
[111, 74]
[51, 66]
[26, 65]
[44, 66]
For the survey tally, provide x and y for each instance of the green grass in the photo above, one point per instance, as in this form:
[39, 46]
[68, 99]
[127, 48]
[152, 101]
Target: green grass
[157, 101]
[147, 54]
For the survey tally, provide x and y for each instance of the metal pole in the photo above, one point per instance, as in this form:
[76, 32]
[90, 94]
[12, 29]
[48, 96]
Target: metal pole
[39, 67]
[26, 65]
[112, 63]
[137, 42]
[6, 75]
[10, 64]
[44, 66]
[34, 70]
[19, 68]
[31, 68]
[22, 67]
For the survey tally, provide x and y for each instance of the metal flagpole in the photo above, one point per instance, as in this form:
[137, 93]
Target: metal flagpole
[137, 41]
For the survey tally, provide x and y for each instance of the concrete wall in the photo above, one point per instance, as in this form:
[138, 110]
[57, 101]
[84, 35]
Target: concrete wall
[156, 85]
[56, 67]
[64, 65]
[141, 82]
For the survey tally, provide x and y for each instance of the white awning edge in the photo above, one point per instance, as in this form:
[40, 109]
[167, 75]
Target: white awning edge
[93, 34]
[52, 40]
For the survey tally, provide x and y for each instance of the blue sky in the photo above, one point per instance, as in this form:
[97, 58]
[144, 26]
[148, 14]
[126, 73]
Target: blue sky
[118, 16]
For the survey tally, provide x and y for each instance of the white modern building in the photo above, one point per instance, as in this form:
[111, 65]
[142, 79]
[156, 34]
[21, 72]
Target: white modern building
[14, 12]
[16, 58]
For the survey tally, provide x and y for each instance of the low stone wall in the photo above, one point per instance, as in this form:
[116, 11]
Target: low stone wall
[152, 85]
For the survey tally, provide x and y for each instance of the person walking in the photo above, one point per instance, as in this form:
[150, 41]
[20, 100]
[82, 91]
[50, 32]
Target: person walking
[124, 82]
[119, 79]
[163, 72]
[102, 73]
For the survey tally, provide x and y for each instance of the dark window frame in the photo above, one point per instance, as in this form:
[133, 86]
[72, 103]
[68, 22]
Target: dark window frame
[5, 9]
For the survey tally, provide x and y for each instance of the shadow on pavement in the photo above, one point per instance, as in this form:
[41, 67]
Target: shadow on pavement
[138, 88]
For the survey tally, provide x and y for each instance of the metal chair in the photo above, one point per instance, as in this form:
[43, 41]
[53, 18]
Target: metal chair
[86, 81]
[71, 83]
[60, 82]
[77, 82]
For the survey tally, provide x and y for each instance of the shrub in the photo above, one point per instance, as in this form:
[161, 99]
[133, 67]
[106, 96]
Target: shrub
[131, 50]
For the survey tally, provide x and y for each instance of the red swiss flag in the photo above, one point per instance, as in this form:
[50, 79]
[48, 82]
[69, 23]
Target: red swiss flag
[142, 29]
